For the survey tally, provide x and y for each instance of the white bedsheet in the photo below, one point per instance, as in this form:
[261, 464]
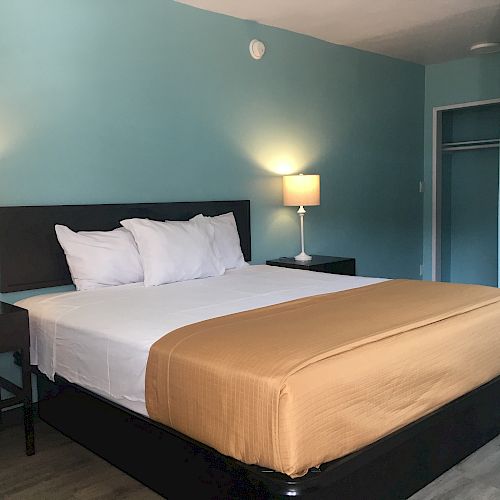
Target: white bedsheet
[100, 339]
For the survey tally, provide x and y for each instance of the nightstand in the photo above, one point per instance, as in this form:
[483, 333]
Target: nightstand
[15, 337]
[320, 263]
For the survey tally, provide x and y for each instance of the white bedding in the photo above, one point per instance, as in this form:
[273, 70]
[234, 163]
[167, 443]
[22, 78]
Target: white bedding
[100, 339]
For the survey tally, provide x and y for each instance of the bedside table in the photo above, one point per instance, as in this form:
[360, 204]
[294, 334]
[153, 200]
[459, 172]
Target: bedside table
[15, 337]
[320, 263]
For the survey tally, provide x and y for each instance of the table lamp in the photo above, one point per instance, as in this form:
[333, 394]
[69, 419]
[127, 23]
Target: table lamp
[301, 190]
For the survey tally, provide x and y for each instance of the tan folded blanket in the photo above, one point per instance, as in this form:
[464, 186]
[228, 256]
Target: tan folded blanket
[297, 384]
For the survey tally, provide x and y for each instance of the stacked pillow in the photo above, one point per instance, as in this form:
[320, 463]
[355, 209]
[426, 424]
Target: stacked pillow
[152, 251]
[226, 238]
[174, 251]
[100, 258]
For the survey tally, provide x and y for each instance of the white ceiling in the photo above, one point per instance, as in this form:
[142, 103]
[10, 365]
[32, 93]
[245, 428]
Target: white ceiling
[422, 31]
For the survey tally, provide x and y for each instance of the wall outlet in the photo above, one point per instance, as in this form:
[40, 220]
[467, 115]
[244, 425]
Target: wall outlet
[421, 186]
[421, 271]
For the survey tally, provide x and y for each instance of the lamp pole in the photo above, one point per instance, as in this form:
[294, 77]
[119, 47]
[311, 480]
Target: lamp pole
[302, 255]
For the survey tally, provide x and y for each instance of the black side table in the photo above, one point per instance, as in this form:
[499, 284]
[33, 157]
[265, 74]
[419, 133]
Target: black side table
[319, 263]
[15, 337]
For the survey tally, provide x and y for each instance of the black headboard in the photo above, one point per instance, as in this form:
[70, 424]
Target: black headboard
[31, 257]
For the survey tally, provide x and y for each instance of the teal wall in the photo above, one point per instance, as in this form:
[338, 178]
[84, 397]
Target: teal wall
[128, 100]
[464, 80]
[149, 100]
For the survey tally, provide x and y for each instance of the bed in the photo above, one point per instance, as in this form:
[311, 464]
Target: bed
[91, 385]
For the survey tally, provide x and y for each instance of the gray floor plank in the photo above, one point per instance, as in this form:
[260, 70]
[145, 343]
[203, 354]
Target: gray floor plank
[60, 470]
[484, 465]
[475, 478]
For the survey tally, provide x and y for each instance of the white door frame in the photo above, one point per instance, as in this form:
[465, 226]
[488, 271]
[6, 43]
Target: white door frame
[437, 113]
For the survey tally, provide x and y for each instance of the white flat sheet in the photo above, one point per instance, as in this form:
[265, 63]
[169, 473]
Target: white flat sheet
[100, 339]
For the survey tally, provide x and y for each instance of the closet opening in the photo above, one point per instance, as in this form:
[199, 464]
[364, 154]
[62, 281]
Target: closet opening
[466, 165]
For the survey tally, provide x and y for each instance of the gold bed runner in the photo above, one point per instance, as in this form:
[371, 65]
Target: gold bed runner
[220, 381]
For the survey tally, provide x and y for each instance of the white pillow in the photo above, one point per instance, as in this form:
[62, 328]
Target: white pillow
[173, 250]
[100, 258]
[226, 238]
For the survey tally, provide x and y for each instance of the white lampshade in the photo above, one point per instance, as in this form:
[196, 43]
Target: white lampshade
[301, 190]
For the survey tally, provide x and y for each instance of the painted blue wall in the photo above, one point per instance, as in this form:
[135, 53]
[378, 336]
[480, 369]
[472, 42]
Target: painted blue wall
[464, 80]
[127, 100]
[149, 100]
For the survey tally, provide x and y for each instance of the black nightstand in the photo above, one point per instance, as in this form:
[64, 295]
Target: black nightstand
[15, 337]
[320, 263]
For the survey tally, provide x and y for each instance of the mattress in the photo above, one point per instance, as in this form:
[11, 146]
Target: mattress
[100, 339]
[294, 385]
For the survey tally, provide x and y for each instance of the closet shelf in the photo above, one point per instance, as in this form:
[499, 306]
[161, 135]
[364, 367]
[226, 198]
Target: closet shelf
[464, 145]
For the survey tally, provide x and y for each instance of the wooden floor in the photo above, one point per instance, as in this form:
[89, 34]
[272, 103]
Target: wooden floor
[61, 469]
[476, 478]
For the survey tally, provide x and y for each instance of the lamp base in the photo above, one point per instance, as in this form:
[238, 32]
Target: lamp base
[303, 257]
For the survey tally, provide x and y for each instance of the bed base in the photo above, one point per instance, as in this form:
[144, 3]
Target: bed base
[176, 466]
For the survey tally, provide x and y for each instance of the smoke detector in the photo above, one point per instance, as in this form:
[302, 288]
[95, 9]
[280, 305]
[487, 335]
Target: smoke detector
[485, 48]
[257, 49]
